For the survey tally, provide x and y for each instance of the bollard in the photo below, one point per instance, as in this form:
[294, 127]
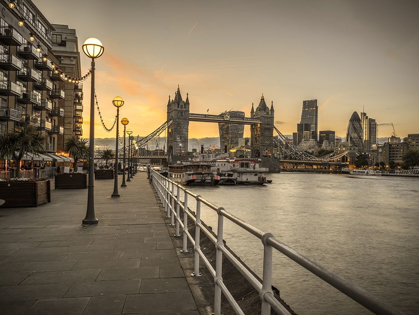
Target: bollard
[197, 247]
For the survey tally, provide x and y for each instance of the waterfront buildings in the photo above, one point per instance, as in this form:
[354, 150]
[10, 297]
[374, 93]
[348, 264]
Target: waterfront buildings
[230, 133]
[33, 68]
[354, 133]
[413, 141]
[308, 127]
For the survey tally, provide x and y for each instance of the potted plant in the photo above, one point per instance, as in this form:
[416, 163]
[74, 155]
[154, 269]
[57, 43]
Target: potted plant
[23, 192]
[78, 149]
[107, 155]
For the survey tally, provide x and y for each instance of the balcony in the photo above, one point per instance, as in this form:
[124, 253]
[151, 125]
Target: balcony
[78, 87]
[78, 133]
[29, 75]
[10, 114]
[10, 89]
[43, 64]
[57, 94]
[49, 147]
[56, 76]
[34, 121]
[33, 98]
[46, 104]
[78, 114]
[78, 107]
[29, 52]
[10, 62]
[57, 130]
[59, 112]
[78, 97]
[44, 85]
[9, 36]
[78, 120]
[45, 125]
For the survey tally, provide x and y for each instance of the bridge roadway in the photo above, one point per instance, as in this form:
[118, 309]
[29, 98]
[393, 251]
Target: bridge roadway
[128, 263]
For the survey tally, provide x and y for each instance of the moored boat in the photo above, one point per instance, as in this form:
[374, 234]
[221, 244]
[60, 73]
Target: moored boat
[190, 174]
[241, 172]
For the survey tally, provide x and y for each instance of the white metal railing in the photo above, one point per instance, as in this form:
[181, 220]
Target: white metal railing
[169, 194]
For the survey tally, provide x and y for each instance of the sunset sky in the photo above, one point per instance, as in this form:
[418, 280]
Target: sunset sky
[348, 55]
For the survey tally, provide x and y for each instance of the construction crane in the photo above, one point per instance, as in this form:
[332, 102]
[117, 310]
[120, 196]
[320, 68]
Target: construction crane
[394, 130]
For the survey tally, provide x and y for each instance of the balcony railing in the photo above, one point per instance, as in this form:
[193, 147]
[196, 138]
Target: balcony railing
[78, 108]
[44, 84]
[10, 88]
[29, 51]
[33, 97]
[10, 114]
[78, 120]
[57, 129]
[56, 76]
[57, 112]
[43, 64]
[46, 104]
[29, 75]
[78, 87]
[10, 62]
[9, 36]
[57, 94]
[34, 121]
[45, 124]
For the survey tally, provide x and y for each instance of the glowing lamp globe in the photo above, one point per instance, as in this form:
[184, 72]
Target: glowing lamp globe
[124, 121]
[118, 101]
[93, 48]
[129, 132]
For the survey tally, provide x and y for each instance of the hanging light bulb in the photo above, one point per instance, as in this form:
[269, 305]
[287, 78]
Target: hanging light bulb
[38, 48]
[11, 5]
[53, 66]
[31, 37]
[56, 71]
[21, 22]
[44, 59]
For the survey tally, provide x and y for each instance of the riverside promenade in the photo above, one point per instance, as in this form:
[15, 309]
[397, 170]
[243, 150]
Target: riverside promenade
[127, 264]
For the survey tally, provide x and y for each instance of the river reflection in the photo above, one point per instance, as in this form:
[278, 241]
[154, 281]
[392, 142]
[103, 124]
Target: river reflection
[364, 229]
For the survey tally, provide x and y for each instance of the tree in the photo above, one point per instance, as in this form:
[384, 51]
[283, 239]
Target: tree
[410, 158]
[16, 144]
[107, 155]
[361, 160]
[77, 148]
[392, 164]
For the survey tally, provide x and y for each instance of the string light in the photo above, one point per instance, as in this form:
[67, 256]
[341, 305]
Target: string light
[38, 48]
[11, 5]
[21, 22]
[31, 37]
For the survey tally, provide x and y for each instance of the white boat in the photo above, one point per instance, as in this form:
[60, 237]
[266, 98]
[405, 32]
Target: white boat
[364, 172]
[190, 174]
[241, 171]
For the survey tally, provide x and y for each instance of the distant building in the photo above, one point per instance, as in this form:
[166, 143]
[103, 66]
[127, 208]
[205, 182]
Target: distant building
[231, 133]
[354, 133]
[413, 141]
[262, 134]
[308, 127]
[394, 152]
[369, 131]
[327, 135]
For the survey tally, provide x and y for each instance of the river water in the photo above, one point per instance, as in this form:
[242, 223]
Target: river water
[365, 229]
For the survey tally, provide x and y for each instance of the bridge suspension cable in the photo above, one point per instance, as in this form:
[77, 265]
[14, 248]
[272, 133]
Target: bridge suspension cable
[141, 142]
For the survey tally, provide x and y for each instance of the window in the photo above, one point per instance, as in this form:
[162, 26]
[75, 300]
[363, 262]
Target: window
[28, 14]
[57, 39]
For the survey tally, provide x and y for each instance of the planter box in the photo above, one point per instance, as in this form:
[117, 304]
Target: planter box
[104, 174]
[25, 194]
[71, 181]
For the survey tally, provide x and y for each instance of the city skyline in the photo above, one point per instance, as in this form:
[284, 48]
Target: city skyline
[348, 55]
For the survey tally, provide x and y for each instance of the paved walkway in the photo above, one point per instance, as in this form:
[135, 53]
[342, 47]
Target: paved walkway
[127, 264]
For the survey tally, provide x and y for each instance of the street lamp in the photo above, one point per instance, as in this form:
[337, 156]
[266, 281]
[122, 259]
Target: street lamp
[129, 133]
[117, 102]
[133, 144]
[92, 48]
[125, 122]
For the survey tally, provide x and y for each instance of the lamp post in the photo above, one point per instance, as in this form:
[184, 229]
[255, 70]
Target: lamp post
[129, 133]
[133, 144]
[125, 122]
[117, 102]
[92, 48]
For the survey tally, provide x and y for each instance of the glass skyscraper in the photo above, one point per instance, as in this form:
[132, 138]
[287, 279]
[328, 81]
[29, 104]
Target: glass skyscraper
[354, 135]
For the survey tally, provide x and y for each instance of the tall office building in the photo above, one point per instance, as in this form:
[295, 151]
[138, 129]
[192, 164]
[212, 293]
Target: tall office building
[307, 129]
[413, 141]
[327, 135]
[230, 133]
[354, 133]
[31, 87]
[369, 131]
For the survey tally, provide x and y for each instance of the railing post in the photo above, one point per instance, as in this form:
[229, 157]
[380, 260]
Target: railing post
[185, 223]
[168, 199]
[197, 247]
[172, 210]
[218, 263]
[267, 274]
[177, 211]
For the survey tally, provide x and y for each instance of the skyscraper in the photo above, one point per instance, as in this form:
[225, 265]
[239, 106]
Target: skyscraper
[369, 131]
[354, 133]
[308, 127]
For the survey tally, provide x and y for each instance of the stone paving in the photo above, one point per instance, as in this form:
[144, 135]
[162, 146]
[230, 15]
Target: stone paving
[127, 264]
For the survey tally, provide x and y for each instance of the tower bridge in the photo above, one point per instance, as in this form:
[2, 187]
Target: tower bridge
[267, 142]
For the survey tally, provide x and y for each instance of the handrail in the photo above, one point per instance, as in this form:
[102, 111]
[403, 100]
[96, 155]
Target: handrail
[172, 204]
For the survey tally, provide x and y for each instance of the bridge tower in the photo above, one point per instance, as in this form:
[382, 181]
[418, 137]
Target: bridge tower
[177, 135]
[262, 134]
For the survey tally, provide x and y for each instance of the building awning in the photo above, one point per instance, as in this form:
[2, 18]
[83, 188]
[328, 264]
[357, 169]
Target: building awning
[36, 157]
[56, 158]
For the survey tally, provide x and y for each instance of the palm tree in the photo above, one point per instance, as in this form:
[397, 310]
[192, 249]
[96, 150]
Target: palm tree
[16, 144]
[77, 148]
[107, 155]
